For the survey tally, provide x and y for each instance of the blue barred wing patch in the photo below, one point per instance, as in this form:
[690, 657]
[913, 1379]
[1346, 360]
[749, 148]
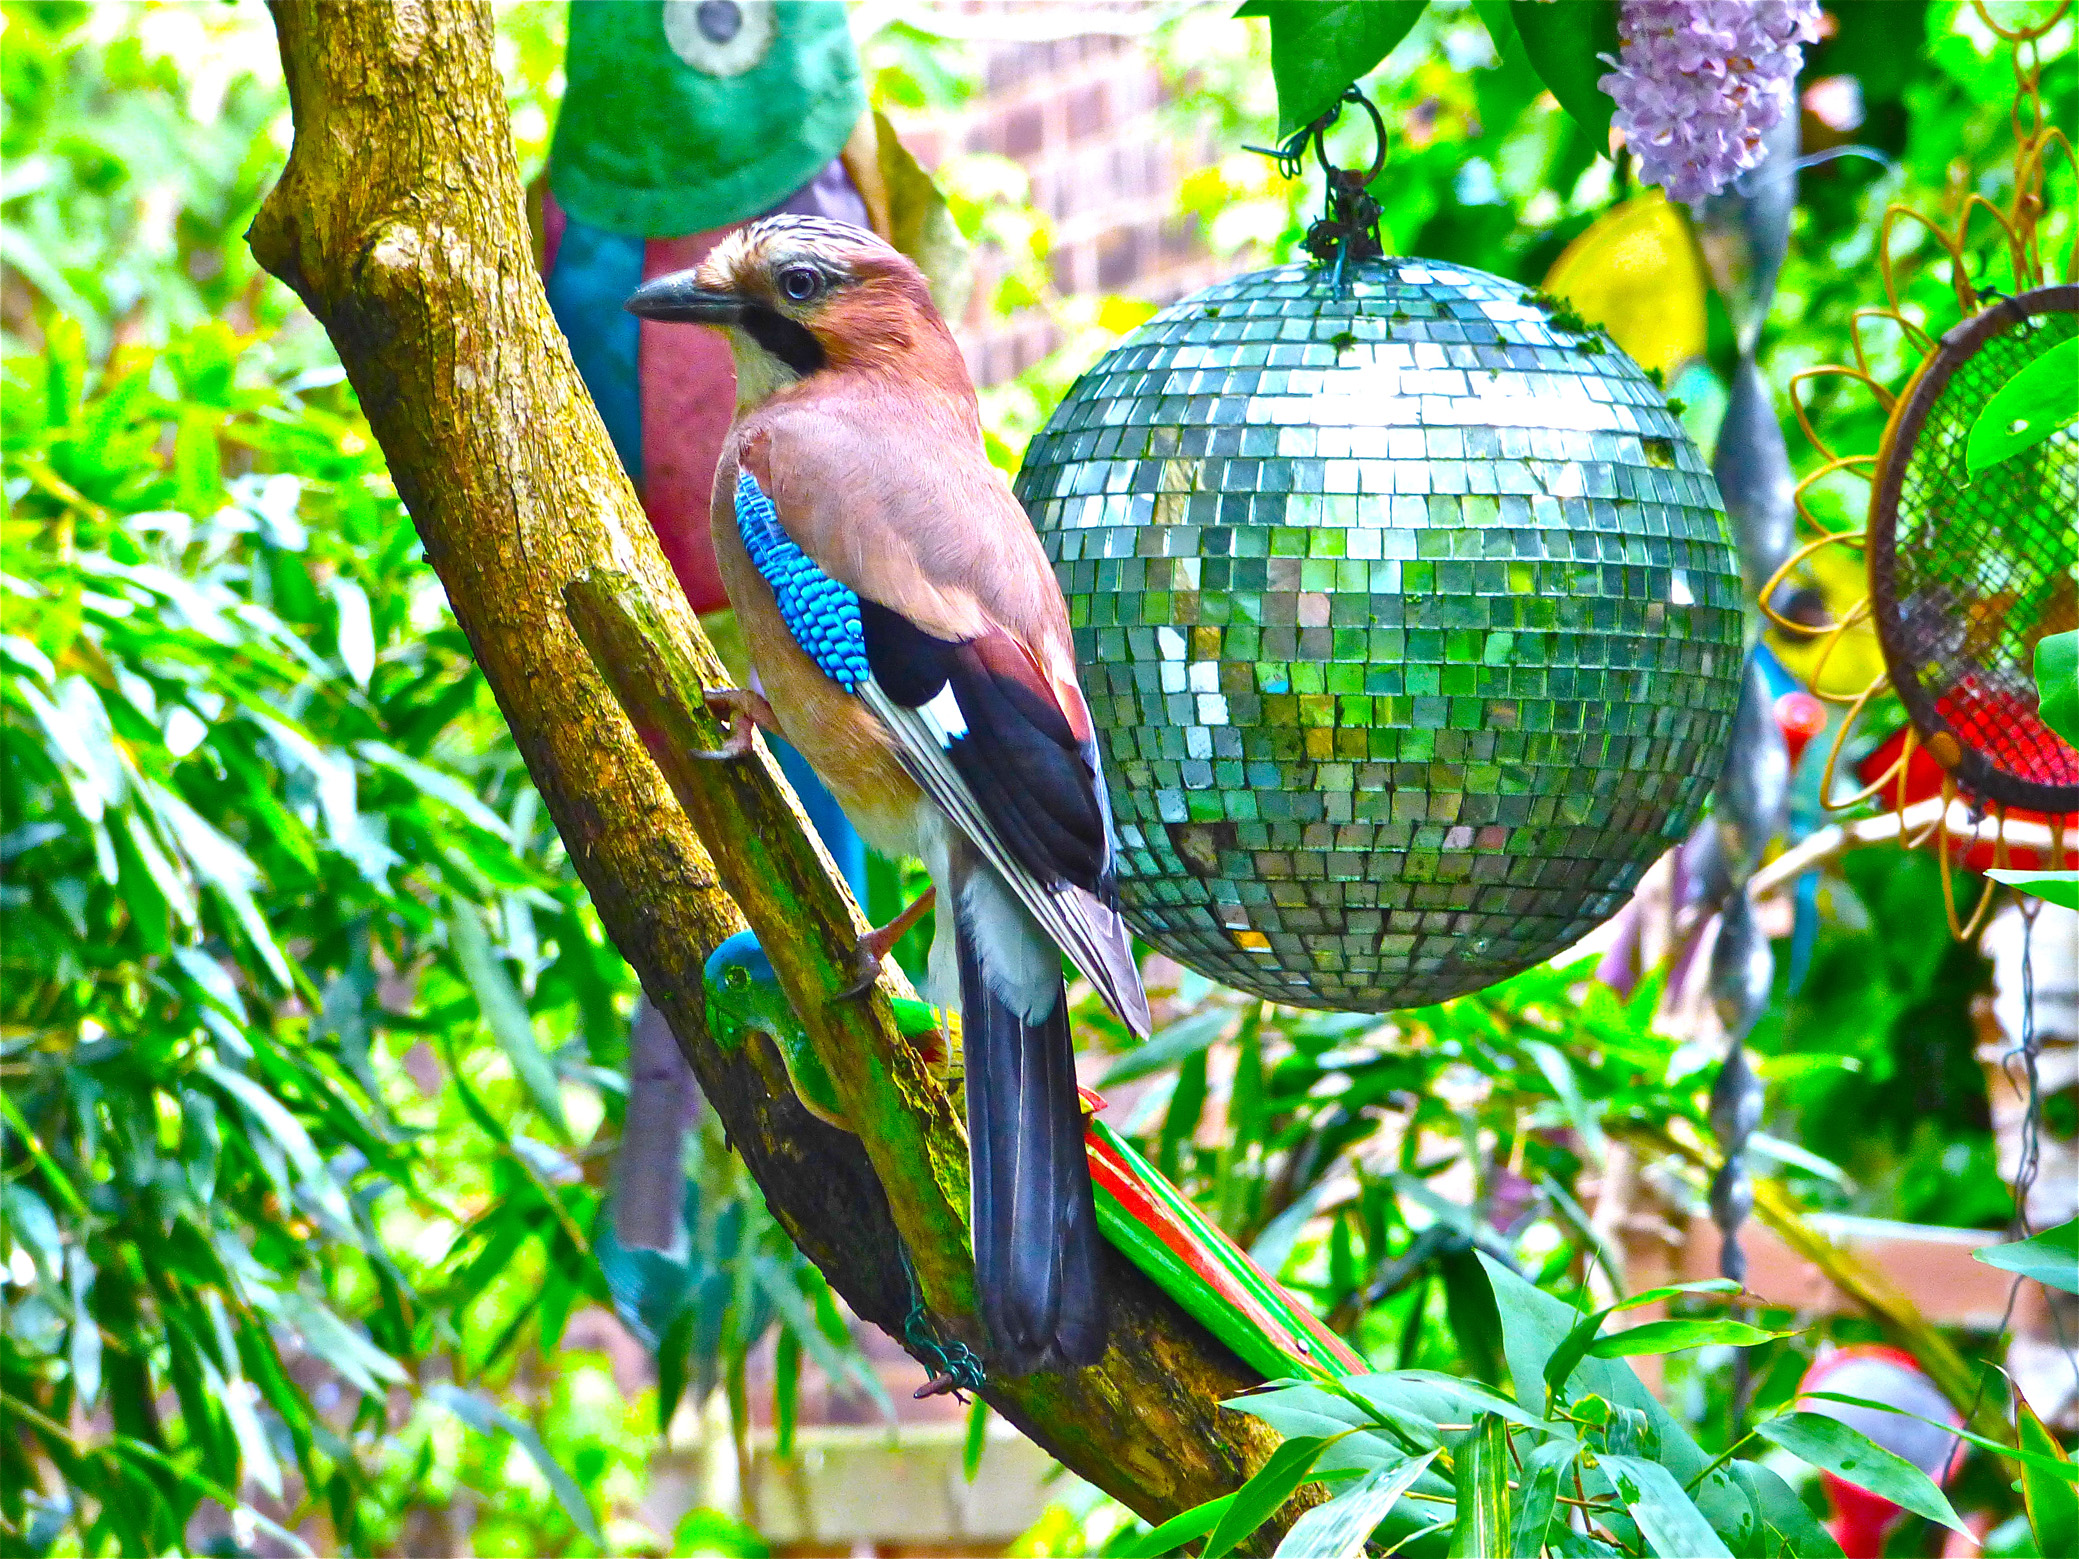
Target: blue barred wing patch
[822, 614]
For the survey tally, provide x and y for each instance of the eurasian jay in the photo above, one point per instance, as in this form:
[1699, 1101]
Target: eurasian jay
[912, 643]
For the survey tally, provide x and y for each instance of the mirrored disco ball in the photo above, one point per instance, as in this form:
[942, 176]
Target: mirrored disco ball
[1408, 620]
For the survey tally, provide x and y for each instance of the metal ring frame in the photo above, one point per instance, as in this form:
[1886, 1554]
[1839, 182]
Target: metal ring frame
[1972, 770]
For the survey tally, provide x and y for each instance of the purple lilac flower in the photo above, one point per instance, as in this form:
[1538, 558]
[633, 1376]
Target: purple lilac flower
[1699, 83]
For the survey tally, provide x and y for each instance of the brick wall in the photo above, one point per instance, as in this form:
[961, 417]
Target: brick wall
[1081, 116]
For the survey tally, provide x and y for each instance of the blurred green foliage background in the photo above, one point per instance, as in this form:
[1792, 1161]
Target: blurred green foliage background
[312, 1046]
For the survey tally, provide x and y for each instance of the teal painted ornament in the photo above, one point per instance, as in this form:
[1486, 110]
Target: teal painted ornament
[1408, 619]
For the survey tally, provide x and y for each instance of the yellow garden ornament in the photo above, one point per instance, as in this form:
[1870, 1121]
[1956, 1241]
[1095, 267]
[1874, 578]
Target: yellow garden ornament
[1636, 273]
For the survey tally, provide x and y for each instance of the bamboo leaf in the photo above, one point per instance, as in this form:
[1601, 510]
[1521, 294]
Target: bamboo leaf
[2069, 1471]
[2053, 1504]
[1853, 1457]
[786, 1394]
[224, 867]
[1539, 1496]
[505, 1012]
[778, 1285]
[356, 629]
[976, 1441]
[1674, 1336]
[83, 1349]
[1272, 1485]
[442, 787]
[1482, 1485]
[339, 1345]
[1184, 1038]
[2051, 1258]
[1338, 1529]
[270, 1116]
[1667, 1517]
[1559, 1368]
[256, 1458]
[1181, 1528]
[485, 1417]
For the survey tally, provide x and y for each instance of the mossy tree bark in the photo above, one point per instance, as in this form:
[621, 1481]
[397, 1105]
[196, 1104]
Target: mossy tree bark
[399, 222]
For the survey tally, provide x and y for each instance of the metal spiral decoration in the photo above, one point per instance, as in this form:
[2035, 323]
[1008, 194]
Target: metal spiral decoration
[1744, 235]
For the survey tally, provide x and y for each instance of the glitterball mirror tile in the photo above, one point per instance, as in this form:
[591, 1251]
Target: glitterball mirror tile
[1408, 620]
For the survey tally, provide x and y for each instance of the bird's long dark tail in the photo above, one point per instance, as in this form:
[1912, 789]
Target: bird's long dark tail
[1034, 1214]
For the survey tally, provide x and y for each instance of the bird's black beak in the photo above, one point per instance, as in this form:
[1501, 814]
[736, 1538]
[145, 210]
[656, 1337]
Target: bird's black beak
[679, 297]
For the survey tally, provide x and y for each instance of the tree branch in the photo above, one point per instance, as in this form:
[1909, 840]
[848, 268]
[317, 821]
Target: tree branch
[399, 223]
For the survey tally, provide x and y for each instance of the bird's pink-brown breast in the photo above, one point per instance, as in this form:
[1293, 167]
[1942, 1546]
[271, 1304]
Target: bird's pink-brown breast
[847, 746]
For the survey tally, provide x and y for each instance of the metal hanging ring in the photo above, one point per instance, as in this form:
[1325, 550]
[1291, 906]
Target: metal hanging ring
[1320, 128]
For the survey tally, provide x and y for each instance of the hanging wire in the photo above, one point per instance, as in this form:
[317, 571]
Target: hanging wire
[1349, 230]
[2023, 1055]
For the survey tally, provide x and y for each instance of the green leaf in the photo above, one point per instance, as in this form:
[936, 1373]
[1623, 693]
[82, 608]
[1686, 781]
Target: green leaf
[84, 1347]
[1795, 1530]
[485, 1416]
[786, 1394]
[2039, 400]
[1270, 1487]
[442, 787]
[356, 629]
[1482, 1486]
[1469, 1310]
[2060, 888]
[256, 1452]
[1667, 1517]
[1533, 1326]
[1338, 1529]
[1565, 45]
[1559, 1368]
[1539, 1496]
[2057, 683]
[1296, 1411]
[505, 1012]
[339, 1345]
[1437, 1398]
[2064, 1469]
[779, 1285]
[271, 1117]
[1851, 1455]
[1181, 1528]
[2053, 1504]
[1674, 1336]
[224, 867]
[1184, 1038]
[2051, 1258]
[1501, 27]
[1319, 47]
[976, 1440]
[674, 1357]
[27, 1218]
[1559, 1072]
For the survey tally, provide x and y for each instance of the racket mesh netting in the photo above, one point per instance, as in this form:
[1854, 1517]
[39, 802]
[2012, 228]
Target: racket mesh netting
[1982, 568]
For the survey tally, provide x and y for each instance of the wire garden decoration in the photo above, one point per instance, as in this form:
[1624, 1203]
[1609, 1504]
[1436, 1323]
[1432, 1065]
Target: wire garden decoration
[1965, 573]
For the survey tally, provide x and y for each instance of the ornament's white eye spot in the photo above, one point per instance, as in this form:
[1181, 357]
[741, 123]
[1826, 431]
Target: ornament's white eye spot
[801, 282]
[719, 37]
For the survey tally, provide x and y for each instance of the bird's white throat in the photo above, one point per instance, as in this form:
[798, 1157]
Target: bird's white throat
[759, 375]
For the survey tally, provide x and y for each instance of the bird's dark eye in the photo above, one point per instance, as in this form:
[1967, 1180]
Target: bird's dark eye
[801, 282]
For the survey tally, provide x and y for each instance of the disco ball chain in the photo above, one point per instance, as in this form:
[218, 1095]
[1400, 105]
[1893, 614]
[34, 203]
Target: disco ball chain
[1349, 230]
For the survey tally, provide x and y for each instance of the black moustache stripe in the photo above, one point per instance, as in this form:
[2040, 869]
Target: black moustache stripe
[784, 339]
